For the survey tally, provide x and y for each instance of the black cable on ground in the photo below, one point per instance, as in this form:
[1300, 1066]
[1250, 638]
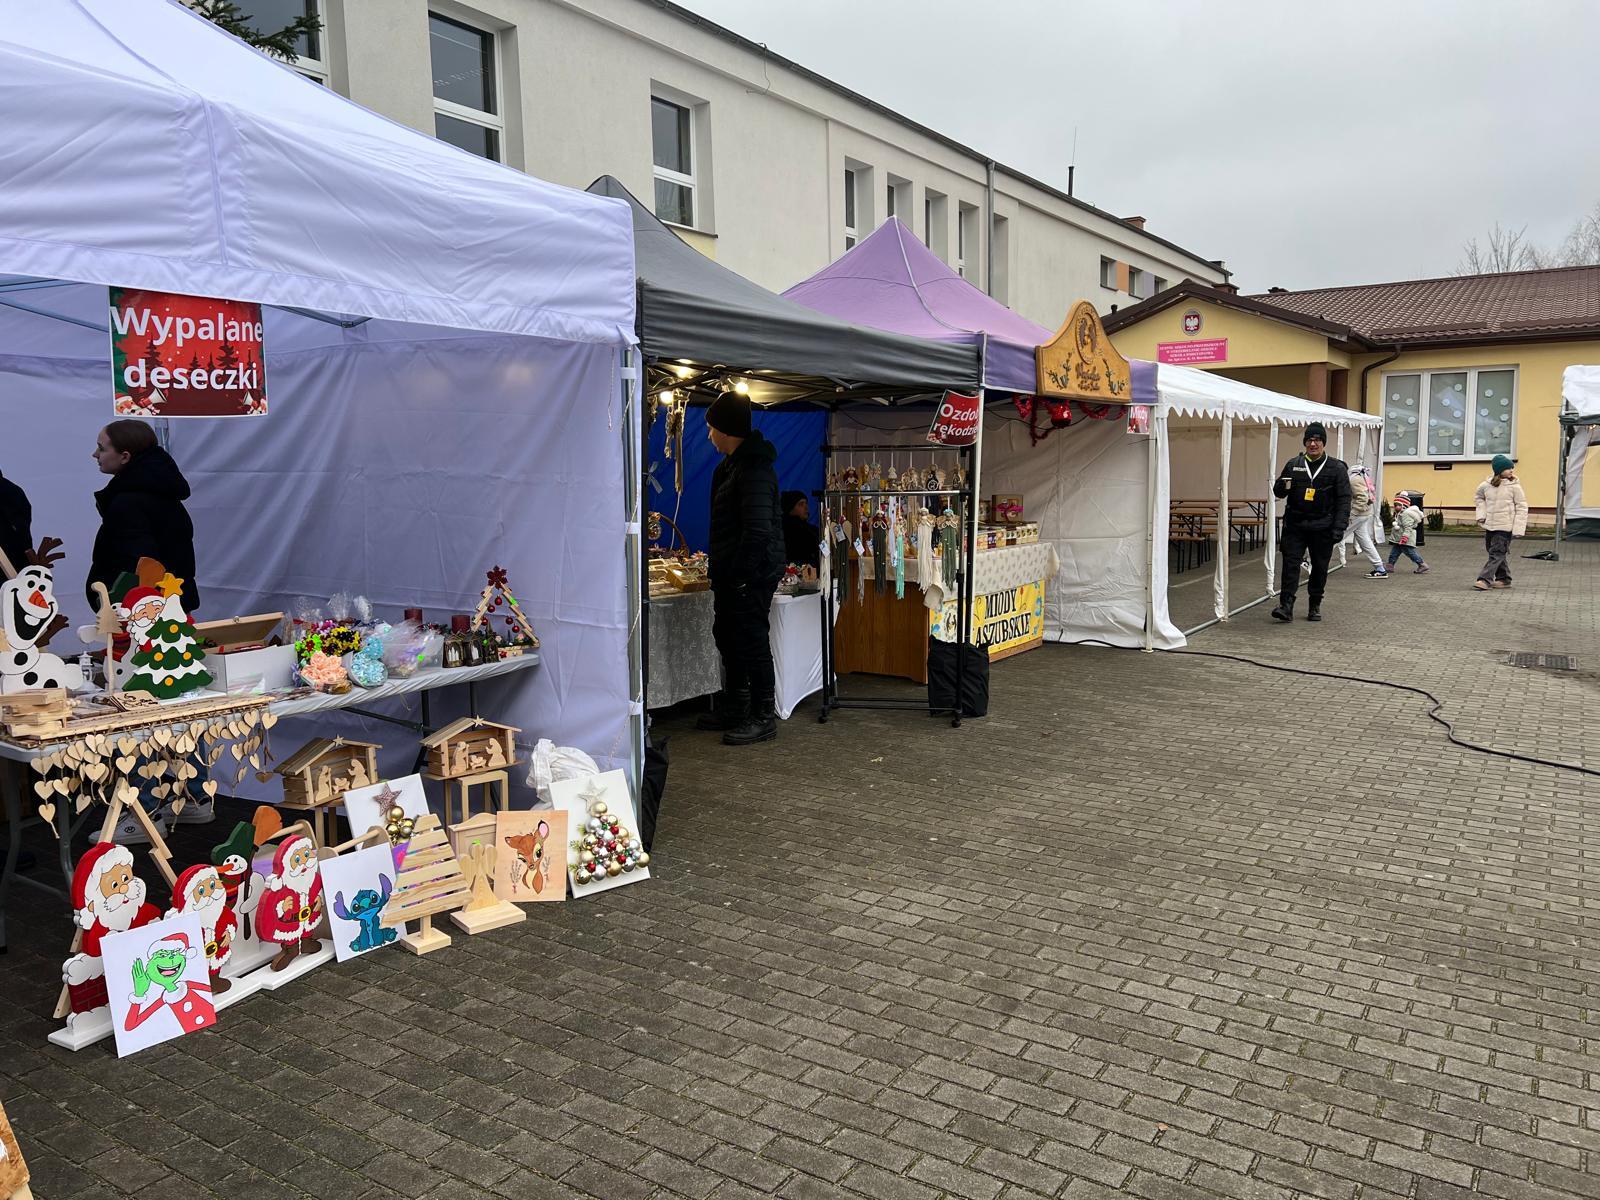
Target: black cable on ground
[1434, 713]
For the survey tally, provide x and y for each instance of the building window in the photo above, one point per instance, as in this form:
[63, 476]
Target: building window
[936, 223]
[269, 16]
[961, 246]
[967, 239]
[1000, 256]
[1449, 414]
[1160, 286]
[849, 208]
[672, 153]
[1136, 283]
[888, 202]
[1108, 273]
[466, 88]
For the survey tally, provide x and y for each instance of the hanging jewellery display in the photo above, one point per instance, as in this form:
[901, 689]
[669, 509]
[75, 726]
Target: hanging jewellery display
[880, 548]
[949, 546]
[899, 550]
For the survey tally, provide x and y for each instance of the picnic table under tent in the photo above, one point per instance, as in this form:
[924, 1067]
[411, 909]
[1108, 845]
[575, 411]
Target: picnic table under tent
[445, 345]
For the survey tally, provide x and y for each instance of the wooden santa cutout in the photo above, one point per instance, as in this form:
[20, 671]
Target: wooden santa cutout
[430, 883]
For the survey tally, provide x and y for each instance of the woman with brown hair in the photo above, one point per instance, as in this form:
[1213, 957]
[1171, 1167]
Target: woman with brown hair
[141, 509]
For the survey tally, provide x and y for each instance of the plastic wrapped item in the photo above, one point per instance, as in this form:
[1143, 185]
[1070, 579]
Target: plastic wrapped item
[405, 648]
[324, 673]
[347, 608]
[550, 762]
[366, 665]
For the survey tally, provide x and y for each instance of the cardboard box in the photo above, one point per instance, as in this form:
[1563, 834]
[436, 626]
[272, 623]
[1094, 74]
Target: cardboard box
[243, 659]
[1006, 509]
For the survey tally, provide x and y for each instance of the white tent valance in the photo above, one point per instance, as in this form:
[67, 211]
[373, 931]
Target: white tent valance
[1580, 395]
[1188, 392]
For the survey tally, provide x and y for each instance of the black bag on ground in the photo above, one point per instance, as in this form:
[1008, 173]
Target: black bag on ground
[942, 679]
[652, 788]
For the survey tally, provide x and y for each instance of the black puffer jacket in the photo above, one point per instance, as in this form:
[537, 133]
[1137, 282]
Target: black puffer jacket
[16, 523]
[746, 541]
[142, 516]
[1328, 481]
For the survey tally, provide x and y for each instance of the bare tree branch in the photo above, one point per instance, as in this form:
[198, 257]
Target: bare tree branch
[1505, 250]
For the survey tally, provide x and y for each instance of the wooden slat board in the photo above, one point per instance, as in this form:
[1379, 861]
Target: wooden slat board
[430, 879]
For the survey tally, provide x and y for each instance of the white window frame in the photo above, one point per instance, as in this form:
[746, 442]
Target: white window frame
[852, 195]
[1136, 278]
[1157, 285]
[317, 69]
[1108, 273]
[461, 112]
[667, 174]
[889, 200]
[1425, 398]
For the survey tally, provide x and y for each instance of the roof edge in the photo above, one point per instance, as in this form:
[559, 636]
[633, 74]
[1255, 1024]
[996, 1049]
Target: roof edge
[759, 48]
[1195, 290]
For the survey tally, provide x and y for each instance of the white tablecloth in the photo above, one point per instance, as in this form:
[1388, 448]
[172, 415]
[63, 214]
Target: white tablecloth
[684, 661]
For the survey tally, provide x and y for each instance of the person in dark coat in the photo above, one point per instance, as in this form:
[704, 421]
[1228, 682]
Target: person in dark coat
[802, 544]
[746, 561]
[1316, 512]
[16, 524]
[141, 510]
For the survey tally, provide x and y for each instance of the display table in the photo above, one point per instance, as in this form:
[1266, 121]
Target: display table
[14, 758]
[882, 635]
[683, 655]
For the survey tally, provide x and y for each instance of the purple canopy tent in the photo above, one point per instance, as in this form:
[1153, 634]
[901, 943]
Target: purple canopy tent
[891, 281]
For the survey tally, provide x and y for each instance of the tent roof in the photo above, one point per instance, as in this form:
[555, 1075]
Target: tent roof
[694, 309]
[1190, 392]
[146, 148]
[891, 281]
[1580, 395]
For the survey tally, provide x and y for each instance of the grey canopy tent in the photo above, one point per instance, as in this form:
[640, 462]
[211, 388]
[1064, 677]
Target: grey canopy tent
[694, 311]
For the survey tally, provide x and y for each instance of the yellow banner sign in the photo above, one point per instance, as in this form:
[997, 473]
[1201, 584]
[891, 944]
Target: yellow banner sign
[1080, 363]
[1005, 621]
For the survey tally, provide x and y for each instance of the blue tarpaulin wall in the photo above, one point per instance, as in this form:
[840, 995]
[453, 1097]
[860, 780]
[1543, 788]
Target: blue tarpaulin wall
[797, 433]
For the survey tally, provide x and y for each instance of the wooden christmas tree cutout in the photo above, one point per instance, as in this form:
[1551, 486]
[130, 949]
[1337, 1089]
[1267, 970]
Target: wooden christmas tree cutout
[430, 883]
[474, 841]
[496, 595]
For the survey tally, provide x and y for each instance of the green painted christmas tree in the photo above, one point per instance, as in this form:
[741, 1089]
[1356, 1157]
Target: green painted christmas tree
[170, 662]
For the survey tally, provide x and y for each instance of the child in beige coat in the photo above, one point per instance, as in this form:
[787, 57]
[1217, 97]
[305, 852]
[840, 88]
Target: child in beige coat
[1502, 515]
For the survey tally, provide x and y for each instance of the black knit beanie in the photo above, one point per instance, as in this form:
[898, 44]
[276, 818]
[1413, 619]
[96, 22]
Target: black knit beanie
[730, 414]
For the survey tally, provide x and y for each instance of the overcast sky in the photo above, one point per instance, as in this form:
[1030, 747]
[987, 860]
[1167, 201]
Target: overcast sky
[1306, 143]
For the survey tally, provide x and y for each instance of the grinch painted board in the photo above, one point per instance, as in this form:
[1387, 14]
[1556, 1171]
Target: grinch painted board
[603, 847]
[358, 885]
[367, 808]
[530, 863]
[157, 982]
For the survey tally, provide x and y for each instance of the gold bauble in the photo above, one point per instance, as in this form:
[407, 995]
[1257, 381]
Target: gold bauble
[599, 808]
[613, 869]
[586, 857]
[643, 860]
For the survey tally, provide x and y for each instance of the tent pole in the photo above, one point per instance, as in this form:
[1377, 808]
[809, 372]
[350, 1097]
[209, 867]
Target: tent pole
[1224, 524]
[1270, 557]
[1152, 494]
[1563, 452]
[635, 441]
[1339, 451]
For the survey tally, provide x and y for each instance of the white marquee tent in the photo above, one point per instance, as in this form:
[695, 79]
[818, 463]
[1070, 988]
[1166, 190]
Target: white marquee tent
[445, 344]
[1578, 487]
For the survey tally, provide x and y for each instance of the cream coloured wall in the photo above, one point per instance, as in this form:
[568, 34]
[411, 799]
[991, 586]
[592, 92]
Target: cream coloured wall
[577, 77]
[1252, 341]
[1539, 367]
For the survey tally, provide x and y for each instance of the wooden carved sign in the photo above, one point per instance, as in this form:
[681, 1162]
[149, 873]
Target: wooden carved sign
[1080, 363]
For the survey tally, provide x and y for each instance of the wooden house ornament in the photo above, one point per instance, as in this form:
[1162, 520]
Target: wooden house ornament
[429, 883]
[470, 746]
[316, 776]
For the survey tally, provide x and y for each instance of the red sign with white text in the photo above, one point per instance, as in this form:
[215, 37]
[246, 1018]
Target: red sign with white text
[1206, 350]
[186, 356]
[956, 423]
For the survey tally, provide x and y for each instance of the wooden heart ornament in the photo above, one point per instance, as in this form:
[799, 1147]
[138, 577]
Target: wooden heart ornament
[46, 788]
[177, 806]
[126, 794]
[209, 787]
[48, 813]
[126, 763]
[94, 772]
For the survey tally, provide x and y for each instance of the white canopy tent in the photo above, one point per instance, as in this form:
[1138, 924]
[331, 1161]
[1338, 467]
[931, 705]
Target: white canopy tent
[1578, 486]
[445, 351]
[1102, 494]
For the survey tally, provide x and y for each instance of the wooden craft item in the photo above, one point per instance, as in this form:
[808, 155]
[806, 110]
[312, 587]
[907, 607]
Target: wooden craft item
[474, 841]
[429, 883]
[13, 1168]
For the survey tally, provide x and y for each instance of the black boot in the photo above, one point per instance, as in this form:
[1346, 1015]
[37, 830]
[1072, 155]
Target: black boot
[762, 726]
[1314, 613]
[1283, 613]
[730, 710]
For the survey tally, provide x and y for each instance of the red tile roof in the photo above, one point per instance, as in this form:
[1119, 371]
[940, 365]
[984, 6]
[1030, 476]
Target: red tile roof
[1502, 307]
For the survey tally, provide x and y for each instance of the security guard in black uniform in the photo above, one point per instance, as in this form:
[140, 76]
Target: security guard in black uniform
[1316, 489]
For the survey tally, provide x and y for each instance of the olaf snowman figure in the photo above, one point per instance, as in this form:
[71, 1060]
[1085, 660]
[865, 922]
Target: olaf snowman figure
[28, 613]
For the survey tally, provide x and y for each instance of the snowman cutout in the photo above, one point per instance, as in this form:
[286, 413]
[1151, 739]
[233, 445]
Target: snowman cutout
[28, 611]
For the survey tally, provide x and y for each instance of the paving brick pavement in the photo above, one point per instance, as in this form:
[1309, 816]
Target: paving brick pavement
[1159, 927]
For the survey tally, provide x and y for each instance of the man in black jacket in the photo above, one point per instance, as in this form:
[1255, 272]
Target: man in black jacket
[16, 524]
[1316, 512]
[746, 563]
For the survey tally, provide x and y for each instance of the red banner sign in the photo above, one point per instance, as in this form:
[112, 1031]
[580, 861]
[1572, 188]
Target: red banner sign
[186, 356]
[956, 423]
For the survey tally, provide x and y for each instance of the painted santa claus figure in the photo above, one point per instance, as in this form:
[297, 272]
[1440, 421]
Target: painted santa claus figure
[291, 903]
[139, 610]
[107, 898]
[200, 890]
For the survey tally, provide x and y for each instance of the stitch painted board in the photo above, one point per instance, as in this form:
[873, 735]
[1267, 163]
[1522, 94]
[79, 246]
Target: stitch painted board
[530, 865]
[357, 886]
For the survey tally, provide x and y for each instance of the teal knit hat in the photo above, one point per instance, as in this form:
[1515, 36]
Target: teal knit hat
[1503, 463]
